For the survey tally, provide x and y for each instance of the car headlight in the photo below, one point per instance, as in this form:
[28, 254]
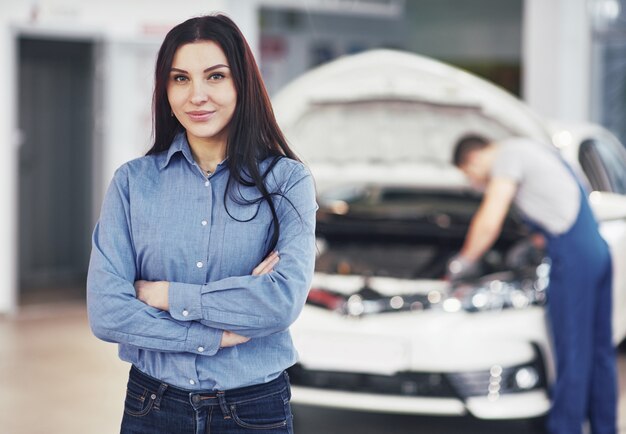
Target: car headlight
[526, 377]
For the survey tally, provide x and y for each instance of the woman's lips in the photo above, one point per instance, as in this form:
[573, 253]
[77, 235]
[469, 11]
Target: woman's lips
[200, 115]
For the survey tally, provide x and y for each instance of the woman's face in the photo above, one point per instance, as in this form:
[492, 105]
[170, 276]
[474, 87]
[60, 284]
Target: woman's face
[201, 92]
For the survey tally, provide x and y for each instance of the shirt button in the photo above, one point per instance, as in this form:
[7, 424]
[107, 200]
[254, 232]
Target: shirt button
[200, 349]
[192, 382]
[199, 264]
[207, 183]
[185, 312]
[204, 222]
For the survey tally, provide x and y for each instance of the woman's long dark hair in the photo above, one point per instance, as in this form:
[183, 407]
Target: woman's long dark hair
[253, 133]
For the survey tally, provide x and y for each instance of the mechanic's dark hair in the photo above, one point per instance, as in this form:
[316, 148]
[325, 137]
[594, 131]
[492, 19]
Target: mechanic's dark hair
[253, 133]
[467, 144]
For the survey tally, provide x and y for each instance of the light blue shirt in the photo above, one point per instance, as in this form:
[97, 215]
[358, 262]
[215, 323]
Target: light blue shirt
[164, 219]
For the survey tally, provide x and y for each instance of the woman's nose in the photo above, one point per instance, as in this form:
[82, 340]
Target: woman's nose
[199, 94]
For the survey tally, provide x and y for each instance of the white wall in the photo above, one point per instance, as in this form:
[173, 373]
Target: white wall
[8, 169]
[556, 58]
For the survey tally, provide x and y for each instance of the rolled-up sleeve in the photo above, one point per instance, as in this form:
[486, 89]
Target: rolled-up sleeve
[257, 306]
[115, 314]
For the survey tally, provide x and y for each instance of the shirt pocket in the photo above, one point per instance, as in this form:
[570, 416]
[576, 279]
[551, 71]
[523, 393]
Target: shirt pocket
[244, 246]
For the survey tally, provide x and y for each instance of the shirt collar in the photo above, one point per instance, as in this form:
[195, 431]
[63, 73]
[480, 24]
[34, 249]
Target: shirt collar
[179, 144]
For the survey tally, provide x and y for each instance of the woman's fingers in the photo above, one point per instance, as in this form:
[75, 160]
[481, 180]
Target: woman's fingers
[267, 264]
[230, 339]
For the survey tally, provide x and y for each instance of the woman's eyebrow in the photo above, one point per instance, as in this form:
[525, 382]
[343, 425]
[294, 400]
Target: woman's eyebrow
[221, 65]
[211, 68]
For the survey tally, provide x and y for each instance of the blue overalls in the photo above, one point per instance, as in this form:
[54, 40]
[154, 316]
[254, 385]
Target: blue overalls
[579, 315]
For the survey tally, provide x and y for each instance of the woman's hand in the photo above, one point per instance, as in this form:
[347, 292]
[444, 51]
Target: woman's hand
[155, 294]
[230, 339]
[267, 265]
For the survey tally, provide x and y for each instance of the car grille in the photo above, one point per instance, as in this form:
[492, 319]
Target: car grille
[493, 383]
[402, 383]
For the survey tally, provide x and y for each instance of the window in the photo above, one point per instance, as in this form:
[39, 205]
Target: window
[604, 163]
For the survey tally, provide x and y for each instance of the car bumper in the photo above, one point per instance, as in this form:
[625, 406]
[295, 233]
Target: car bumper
[426, 363]
[419, 342]
[517, 406]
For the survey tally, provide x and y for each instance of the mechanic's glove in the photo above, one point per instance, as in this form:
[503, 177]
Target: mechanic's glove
[460, 267]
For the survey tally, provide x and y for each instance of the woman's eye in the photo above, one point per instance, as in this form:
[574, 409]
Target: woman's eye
[216, 76]
[179, 78]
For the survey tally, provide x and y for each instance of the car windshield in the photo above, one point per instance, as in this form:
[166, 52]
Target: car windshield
[402, 232]
[387, 131]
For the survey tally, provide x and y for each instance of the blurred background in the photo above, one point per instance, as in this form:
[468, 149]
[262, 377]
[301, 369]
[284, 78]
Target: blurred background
[76, 105]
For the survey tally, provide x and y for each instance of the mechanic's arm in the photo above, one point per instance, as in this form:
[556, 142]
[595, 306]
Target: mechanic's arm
[115, 314]
[256, 305]
[488, 220]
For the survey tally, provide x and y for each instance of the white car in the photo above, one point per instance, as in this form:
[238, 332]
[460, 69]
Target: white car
[381, 330]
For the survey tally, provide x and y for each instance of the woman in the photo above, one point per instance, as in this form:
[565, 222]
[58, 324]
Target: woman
[177, 274]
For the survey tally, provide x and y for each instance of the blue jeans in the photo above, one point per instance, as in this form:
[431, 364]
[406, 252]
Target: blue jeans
[154, 407]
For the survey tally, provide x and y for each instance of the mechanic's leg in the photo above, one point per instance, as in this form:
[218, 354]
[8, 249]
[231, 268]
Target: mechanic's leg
[570, 315]
[603, 399]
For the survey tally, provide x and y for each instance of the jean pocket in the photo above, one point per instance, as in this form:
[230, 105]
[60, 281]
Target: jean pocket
[139, 401]
[270, 412]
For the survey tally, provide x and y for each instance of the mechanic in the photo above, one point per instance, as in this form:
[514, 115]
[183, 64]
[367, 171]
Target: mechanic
[546, 191]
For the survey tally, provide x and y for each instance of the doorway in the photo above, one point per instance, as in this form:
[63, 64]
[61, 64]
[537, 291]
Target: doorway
[56, 120]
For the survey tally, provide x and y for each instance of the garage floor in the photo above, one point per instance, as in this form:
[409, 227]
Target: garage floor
[56, 378]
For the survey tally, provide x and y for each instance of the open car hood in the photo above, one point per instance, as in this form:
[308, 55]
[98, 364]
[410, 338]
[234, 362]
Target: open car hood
[396, 81]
